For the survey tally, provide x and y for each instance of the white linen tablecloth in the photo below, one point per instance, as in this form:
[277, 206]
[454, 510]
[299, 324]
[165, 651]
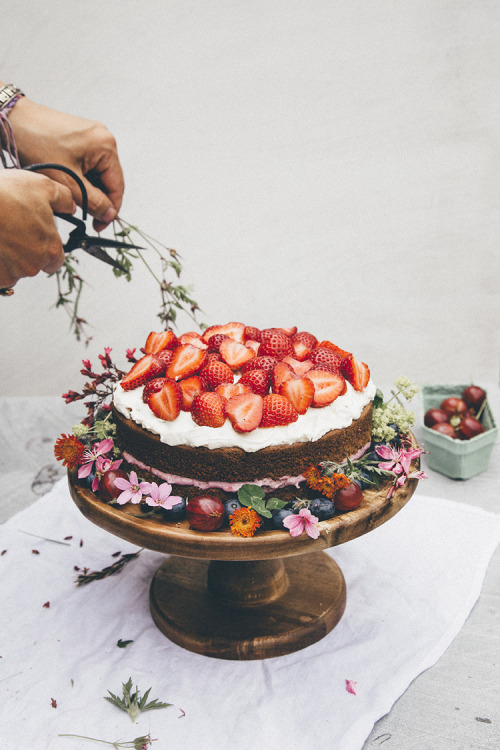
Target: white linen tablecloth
[410, 587]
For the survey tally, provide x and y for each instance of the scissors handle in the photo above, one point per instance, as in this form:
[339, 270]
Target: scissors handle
[77, 179]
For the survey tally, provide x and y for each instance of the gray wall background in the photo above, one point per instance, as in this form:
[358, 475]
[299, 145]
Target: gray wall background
[332, 165]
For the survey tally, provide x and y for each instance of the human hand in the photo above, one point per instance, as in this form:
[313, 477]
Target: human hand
[85, 146]
[29, 241]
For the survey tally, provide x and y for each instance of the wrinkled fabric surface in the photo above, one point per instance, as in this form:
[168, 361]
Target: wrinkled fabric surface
[410, 586]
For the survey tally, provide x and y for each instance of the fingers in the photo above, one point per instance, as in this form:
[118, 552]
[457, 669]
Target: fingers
[61, 200]
[106, 186]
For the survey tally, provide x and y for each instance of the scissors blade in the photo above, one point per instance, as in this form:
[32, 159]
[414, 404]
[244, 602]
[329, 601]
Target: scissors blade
[101, 254]
[105, 242]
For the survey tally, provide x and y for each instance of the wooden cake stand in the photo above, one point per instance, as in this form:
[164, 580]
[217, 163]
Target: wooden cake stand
[232, 597]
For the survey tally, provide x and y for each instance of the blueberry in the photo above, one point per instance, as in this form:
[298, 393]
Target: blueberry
[322, 508]
[364, 480]
[230, 506]
[176, 513]
[88, 480]
[278, 517]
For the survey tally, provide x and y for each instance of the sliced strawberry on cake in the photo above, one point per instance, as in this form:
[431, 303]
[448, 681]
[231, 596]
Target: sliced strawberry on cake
[300, 393]
[281, 373]
[327, 386]
[152, 386]
[228, 390]
[156, 342]
[235, 354]
[146, 368]
[245, 411]
[187, 360]
[303, 343]
[235, 331]
[356, 372]
[190, 388]
[166, 404]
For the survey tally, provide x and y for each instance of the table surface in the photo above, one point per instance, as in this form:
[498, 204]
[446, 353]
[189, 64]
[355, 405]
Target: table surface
[452, 706]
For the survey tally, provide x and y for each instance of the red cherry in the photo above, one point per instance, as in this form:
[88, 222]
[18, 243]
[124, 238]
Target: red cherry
[445, 429]
[473, 396]
[205, 513]
[435, 416]
[454, 406]
[107, 490]
[348, 498]
[470, 427]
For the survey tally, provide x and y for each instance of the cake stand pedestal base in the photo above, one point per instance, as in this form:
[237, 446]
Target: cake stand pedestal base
[247, 609]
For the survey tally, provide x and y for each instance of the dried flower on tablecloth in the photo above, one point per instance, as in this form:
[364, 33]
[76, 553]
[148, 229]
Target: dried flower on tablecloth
[350, 686]
[139, 743]
[110, 570]
[134, 703]
[244, 522]
[69, 450]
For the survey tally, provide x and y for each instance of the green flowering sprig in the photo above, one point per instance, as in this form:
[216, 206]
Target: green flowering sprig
[392, 412]
[162, 263]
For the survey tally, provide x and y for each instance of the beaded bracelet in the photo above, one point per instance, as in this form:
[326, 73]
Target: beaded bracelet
[8, 97]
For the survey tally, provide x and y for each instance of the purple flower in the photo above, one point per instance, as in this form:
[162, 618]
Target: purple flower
[303, 521]
[160, 495]
[133, 490]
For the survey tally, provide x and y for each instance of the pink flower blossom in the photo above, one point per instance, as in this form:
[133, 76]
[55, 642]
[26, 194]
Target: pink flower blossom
[133, 490]
[160, 495]
[399, 462]
[91, 455]
[302, 521]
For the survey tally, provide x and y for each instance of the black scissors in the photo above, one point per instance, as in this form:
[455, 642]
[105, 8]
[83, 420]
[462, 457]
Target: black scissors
[78, 237]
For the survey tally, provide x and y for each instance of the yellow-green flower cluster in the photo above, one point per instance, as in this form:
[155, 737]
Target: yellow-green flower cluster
[406, 388]
[388, 414]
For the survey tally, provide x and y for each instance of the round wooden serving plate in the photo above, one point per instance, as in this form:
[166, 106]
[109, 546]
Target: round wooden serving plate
[243, 598]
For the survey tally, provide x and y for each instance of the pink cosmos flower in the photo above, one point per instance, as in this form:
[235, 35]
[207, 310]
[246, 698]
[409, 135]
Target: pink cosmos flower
[399, 461]
[91, 455]
[160, 495]
[133, 490]
[302, 521]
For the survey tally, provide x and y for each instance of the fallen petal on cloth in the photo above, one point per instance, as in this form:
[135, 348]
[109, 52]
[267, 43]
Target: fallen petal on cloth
[411, 584]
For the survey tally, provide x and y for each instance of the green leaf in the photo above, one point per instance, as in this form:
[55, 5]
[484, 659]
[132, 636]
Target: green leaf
[249, 493]
[274, 503]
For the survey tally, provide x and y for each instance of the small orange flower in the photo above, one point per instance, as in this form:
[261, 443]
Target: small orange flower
[68, 449]
[328, 486]
[312, 476]
[244, 521]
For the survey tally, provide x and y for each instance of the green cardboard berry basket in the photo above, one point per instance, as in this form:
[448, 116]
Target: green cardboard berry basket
[457, 459]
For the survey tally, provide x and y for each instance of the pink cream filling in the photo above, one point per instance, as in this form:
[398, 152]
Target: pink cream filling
[273, 484]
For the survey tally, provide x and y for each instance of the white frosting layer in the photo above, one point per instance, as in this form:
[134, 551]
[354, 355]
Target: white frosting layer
[183, 431]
